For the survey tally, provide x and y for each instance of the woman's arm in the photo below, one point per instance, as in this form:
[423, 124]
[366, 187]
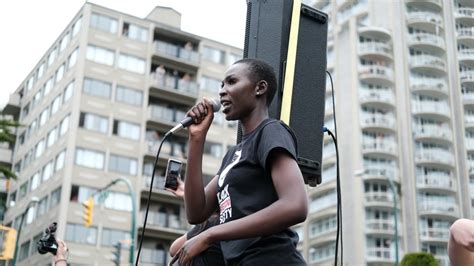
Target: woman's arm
[177, 244]
[461, 243]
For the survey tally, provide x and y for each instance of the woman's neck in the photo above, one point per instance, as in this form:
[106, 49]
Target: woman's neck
[252, 121]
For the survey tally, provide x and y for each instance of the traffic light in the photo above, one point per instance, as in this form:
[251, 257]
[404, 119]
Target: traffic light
[117, 253]
[9, 241]
[88, 209]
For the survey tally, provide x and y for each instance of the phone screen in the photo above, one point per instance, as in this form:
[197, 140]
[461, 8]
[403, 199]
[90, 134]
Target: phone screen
[173, 172]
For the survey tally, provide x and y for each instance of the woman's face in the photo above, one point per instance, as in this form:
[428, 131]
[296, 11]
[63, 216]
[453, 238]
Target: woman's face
[237, 93]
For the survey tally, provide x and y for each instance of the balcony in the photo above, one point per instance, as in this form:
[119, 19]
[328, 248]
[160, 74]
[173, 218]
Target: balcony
[375, 72]
[428, 63]
[467, 76]
[175, 52]
[434, 234]
[5, 154]
[380, 172]
[434, 156]
[377, 146]
[436, 182]
[438, 3]
[468, 97]
[432, 86]
[379, 197]
[464, 13]
[158, 182]
[466, 54]
[13, 105]
[174, 83]
[154, 257]
[375, 48]
[469, 142]
[468, 120]
[426, 39]
[161, 113]
[431, 108]
[170, 149]
[164, 221]
[380, 255]
[380, 226]
[431, 131]
[465, 33]
[378, 121]
[377, 96]
[443, 260]
[438, 208]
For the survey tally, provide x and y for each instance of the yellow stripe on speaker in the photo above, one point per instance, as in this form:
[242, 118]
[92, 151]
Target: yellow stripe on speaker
[290, 63]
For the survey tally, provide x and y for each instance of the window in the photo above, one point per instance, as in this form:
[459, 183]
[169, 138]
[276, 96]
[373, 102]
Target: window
[40, 72]
[35, 181]
[64, 42]
[126, 130]
[48, 86]
[80, 193]
[30, 215]
[30, 83]
[135, 32]
[55, 104]
[323, 201]
[232, 58]
[60, 73]
[24, 251]
[52, 56]
[93, 122]
[42, 206]
[131, 63]
[59, 164]
[129, 96]
[47, 171]
[26, 110]
[43, 117]
[100, 55]
[55, 197]
[90, 158]
[76, 233]
[118, 201]
[111, 237]
[213, 149]
[36, 98]
[76, 27]
[68, 91]
[97, 87]
[124, 165]
[104, 23]
[39, 148]
[12, 199]
[213, 55]
[64, 126]
[72, 58]
[210, 84]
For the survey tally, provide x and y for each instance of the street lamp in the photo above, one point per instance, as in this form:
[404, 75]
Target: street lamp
[394, 210]
[33, 201]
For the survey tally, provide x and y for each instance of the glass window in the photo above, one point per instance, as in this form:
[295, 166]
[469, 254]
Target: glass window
[35, 181]
[76, 27]
[59, 164]
[232, 58]
[24, 251]
[30, 83]
[64, 126]
[36, 98]
[100, 55]
[126, 130]
[40, 72]
[124, 165]
[52, 56]
[76, 233]
[26, 110]
[131, 63]
[43, 117]
[12, 199]
[60, 73]
[55, 104]
[68, 91]
[129, 96]
[118, 201]
[104, 23]
[72, 58]
[93, 122]
[97, 87]
[39, 148]
[210, 84]
[47, 171]
[81, 193]
[135, 32]
[55, 197]
[213, 55]
[48, 86]
[213, 149]
[42, 206]
[111, 237]
[90, 158]
[30, 215]
[64, 42]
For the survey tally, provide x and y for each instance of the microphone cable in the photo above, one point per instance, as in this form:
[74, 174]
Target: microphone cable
[149, 197]
[338, 178]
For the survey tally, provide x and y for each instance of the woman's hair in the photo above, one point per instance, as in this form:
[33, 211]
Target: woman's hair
[261, 70]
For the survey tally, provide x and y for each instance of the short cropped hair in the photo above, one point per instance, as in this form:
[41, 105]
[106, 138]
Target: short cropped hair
[261, 70]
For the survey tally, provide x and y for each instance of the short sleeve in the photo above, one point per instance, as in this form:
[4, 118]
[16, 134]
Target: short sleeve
[273, 136]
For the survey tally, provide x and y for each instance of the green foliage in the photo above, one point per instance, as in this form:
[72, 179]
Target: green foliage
[419, 259]
[6, 135]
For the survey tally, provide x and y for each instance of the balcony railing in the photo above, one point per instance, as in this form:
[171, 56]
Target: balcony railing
[168, 148]
[165, 220]
[386, 96]
[429, 84]
[427, 61]
[435, 181]
[468, 119]
[378, 196]
[433, 131]
[380, 253]
[174, 83]
[375, 47]
[176, 51]
[380, 224]
[381, 146]
[381, 171]
[426, 38]
[465, 32]
[376, 70]
[468, 97]
[466, 54]
[378, 120]
[425, 17]
[464, 12]
[431, 107]
[435, 155]
[158, 182]
[469, 143]
[154, 257]
[438, 234]
[442, 259]
[159, 112]
[438, 206]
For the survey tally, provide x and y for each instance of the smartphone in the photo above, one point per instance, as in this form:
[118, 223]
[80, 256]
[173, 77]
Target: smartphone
[173, 172]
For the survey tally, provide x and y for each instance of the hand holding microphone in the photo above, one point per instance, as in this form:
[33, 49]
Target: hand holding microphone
[200, 114]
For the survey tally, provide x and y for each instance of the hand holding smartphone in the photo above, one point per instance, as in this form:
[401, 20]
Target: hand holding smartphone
[173, 172]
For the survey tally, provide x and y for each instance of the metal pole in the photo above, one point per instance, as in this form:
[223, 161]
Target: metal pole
[19, 230]
[395, 236]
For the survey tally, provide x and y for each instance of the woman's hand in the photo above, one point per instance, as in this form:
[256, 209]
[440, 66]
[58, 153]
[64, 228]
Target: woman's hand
[179, 192]
[192, 248]
[202, 115]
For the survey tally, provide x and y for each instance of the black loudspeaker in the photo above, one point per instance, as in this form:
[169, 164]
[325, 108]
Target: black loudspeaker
[292, 37]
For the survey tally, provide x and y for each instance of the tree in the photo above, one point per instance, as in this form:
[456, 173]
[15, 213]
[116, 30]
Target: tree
[6, 135]
[419, 259]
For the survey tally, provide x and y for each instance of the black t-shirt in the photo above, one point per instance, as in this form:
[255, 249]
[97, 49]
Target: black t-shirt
[245, 186]
[213, 255]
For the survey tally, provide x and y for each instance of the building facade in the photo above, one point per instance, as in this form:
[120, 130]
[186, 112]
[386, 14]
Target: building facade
[95, 108]
[403, 71]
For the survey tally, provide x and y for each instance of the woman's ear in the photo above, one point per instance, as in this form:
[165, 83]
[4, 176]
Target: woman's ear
[262, 87]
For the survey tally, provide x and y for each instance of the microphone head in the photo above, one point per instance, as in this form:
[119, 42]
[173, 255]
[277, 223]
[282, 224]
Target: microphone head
[216, 105]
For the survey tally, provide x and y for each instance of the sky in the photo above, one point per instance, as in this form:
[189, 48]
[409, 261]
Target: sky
[30, 27]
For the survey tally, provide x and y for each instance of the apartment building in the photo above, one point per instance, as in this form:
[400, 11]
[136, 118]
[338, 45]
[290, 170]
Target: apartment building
[403, 73]
[95, 108]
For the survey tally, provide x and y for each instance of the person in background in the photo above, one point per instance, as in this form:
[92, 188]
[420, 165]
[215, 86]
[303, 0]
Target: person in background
[461, 243]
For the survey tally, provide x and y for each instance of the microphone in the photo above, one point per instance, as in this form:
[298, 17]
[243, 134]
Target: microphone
[186, 122]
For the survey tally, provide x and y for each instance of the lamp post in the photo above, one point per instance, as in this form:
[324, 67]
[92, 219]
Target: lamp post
[394, 210]
[34, 200]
